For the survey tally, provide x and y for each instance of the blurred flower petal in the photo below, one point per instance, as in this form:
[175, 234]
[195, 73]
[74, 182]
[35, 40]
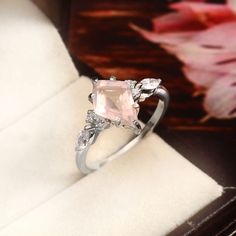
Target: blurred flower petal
[220, 99]
[195, 55]
[207, 13]
[226, 67]
[202, 36]
[200, 77]
[232, 4]
[164, 38]
[222, 36]
[177, 21]
[216, 45]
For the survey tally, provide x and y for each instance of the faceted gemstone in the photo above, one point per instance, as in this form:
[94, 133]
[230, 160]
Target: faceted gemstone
[114, 100]
[83, 138]
[150, 83]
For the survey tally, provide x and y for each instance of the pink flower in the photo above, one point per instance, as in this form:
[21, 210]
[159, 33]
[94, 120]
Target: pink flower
[202, 36]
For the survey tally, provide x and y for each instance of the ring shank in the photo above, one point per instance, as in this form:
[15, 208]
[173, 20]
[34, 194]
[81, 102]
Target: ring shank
[160, 93]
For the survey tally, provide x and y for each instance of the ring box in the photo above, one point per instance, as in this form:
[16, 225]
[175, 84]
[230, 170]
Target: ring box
[219, 216]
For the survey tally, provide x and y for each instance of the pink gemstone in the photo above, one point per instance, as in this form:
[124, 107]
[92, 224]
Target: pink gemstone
[114, 100]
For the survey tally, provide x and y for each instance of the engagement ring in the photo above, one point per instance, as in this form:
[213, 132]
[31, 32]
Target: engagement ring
[115, 103]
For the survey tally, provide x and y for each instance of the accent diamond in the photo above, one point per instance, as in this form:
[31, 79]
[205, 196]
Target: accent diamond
[83, 139]
[150, 83]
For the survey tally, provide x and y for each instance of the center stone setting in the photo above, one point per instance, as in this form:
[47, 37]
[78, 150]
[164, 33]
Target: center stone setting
[113, 100]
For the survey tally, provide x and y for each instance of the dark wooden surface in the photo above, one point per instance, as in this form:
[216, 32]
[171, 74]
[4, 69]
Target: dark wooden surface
[100, 37]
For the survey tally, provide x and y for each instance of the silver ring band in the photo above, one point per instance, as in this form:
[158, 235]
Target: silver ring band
[97, 123]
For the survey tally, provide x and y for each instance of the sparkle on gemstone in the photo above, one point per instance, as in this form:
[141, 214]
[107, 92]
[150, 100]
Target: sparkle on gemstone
[83, 138]
[113, 100]
[91, 117]
[150, 83]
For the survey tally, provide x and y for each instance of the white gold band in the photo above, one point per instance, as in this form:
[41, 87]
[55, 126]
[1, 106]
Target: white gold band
[97, 123]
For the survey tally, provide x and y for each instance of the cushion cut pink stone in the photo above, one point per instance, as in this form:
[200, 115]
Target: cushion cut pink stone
[114, 100]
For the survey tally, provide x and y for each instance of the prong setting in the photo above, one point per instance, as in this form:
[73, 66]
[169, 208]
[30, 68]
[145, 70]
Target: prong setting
[137, 127]
[137, 107]
[91, 97]
[94, 81]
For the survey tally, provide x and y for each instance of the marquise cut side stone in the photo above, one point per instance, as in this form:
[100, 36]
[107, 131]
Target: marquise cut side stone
[83, 139]
[150, 83]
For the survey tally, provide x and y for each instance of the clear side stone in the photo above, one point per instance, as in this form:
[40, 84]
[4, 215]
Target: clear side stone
[83, 139]
[96, 121]
[150, 83]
